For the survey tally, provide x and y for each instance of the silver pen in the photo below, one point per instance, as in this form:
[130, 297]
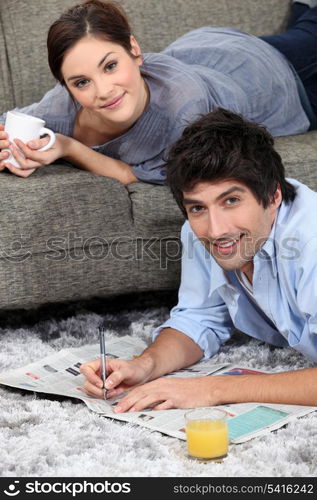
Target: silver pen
[103, 359]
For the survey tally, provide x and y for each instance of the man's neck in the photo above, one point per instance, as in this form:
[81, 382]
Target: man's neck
[247, 269]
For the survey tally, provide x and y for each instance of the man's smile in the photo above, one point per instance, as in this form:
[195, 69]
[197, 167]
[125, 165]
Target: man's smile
[226, 246]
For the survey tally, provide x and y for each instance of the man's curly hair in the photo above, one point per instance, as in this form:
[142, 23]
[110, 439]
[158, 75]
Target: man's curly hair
[222, 145]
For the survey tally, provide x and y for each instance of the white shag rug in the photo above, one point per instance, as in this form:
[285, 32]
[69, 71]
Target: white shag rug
[47, 436]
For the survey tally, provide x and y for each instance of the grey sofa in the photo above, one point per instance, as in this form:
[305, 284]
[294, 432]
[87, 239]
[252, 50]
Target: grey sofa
[66, 234]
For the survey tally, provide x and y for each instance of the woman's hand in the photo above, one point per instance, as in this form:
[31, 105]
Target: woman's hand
[4, 144]
[31, 158]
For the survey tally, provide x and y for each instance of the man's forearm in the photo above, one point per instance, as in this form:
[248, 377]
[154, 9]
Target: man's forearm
[294, 387]
[171, 351]
[86, 158]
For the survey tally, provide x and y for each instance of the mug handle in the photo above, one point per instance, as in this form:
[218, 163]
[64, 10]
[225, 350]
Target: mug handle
[50, 143]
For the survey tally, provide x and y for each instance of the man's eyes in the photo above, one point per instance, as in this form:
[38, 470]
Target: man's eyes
[227, 202]
[195, 209]
[232, 200]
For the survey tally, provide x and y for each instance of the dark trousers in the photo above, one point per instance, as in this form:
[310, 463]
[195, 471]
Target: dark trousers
[299, 46]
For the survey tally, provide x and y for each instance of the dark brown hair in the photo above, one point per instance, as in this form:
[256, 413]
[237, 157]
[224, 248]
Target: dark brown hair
[105, 20]
[223, 145]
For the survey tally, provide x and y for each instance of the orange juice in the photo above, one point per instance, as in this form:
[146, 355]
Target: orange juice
[207, 438]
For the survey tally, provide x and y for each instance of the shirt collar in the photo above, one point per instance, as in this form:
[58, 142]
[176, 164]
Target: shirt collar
[218, 277]
[268, 252]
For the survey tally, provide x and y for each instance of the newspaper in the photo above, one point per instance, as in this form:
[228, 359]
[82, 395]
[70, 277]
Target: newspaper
[60, 374]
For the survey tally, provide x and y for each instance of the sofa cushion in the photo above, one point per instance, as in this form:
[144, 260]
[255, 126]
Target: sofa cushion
[299, 155]
[155, 24]
[62, 204]
[67, 234]
[154, 211]
[6, 89]
[24, 25]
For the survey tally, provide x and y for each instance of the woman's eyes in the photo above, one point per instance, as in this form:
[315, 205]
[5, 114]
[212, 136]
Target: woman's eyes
[80, 84]
[108, 67]
[111, 66]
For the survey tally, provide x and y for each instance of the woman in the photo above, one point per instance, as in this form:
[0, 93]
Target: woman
[116, 112]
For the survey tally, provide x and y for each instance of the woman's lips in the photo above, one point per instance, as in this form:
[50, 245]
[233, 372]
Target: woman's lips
[114, 103]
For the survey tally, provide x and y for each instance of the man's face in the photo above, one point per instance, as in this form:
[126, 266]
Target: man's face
[230, 222]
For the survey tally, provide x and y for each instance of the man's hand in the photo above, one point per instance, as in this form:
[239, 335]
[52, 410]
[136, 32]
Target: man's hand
[160, 394]
[293, 387]
[121, 375]
[171, 350]
[166, 393]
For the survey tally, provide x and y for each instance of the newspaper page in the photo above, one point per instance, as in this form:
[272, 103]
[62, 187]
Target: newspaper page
[59, 374]
[245, 420]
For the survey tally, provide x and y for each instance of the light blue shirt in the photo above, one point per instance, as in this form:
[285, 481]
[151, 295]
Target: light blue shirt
[206, 68]
[212, 302]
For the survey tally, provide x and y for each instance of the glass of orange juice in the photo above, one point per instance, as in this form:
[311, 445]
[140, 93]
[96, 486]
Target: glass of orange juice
[207, 434]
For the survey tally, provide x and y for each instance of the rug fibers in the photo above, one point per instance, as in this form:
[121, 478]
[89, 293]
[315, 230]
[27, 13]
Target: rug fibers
[50, 436]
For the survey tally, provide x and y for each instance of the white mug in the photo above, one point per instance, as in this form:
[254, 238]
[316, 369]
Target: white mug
[26, 128]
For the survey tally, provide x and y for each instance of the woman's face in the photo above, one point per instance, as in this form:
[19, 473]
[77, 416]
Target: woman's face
[106, 80]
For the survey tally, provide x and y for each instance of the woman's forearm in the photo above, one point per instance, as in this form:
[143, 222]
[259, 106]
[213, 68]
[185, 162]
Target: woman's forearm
[86, 158]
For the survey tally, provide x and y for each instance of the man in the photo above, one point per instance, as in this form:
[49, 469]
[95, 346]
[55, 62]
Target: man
[249, 262]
